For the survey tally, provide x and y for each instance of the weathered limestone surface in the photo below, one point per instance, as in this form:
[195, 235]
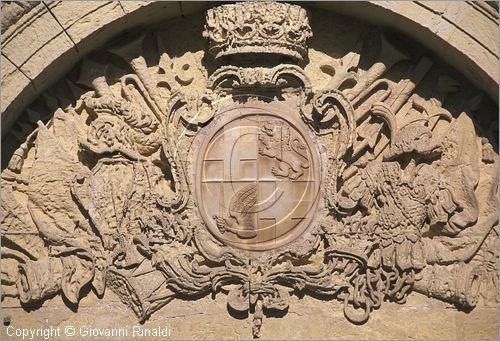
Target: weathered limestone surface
[250, 170]
[451, 29]
[308, 318]
[465, 34]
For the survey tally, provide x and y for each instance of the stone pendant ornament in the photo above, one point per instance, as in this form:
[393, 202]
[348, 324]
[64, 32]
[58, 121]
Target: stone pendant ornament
[260, 185]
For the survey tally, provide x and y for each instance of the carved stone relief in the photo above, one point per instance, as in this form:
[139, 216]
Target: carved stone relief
[235, 174]
[257, 176]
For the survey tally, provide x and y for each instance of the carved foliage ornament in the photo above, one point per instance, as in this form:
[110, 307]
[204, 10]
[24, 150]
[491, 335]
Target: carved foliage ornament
[361, 192]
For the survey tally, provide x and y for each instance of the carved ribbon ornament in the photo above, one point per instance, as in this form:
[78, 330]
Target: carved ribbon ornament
[259, 185]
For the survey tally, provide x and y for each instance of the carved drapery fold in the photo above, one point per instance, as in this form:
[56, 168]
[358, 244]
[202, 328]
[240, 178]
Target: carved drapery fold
[406, 196]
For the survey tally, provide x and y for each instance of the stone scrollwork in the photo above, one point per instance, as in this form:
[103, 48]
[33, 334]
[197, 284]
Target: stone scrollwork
[232, 77]
[259, 183]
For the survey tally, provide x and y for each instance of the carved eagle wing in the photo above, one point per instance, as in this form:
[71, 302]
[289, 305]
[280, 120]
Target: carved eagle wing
[243, 201]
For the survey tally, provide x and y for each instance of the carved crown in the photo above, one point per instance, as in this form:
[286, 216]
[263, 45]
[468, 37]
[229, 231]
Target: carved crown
[258, 27]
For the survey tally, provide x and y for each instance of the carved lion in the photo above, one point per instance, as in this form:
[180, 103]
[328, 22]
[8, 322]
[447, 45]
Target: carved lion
[275, 142]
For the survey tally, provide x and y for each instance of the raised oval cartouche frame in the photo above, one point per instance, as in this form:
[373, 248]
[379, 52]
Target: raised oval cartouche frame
[362, 191]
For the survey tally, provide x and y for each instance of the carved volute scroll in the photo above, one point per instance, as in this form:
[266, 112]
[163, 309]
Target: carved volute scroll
[257, 169]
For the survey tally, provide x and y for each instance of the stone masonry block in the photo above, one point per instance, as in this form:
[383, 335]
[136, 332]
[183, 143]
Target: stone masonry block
[82, 18]
[28, 39]
[139, 12]
[36, 67]
[13, 84]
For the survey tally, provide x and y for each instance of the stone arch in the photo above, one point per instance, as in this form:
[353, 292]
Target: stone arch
[43, 41]
[400, 138]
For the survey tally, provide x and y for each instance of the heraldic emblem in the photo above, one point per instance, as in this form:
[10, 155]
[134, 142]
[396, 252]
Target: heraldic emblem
[257, 176]
[178, 181]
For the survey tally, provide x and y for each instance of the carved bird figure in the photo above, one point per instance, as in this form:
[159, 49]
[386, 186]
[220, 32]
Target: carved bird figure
[241, 213]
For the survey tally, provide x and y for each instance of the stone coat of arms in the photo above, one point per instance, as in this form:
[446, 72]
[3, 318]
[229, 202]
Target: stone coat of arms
[361, 191]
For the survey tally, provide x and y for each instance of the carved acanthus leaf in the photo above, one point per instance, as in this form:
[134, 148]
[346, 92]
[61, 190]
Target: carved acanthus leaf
[255, 183]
